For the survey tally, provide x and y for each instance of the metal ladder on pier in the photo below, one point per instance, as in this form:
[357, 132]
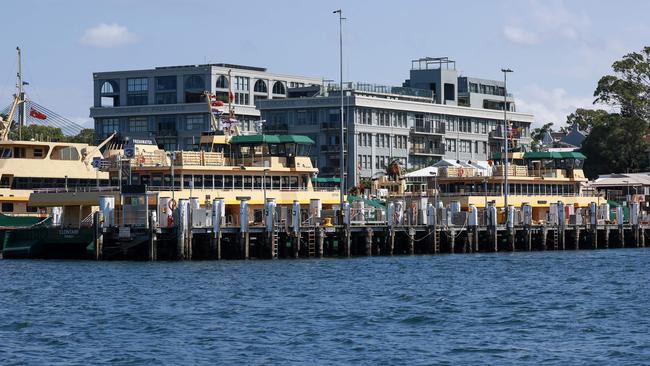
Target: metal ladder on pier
[436, 241]
[275, 241]
[556, 238]
[311, 242]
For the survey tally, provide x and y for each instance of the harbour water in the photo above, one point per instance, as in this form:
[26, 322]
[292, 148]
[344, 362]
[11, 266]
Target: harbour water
[508, 308]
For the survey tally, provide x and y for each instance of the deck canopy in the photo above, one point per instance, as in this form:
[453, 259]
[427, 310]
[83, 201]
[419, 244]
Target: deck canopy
[271, 145]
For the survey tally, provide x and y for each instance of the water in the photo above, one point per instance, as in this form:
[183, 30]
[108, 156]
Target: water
[544, 307]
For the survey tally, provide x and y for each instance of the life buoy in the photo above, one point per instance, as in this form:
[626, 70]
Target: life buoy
[172, 204]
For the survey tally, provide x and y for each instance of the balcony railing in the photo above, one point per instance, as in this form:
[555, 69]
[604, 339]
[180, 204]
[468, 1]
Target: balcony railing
[427, 151]
[429, 128]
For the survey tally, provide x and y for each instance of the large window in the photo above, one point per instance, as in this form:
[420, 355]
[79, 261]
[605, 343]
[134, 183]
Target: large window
[138, 124]
[166, 125]
[110, 125]
[194, 88]
[222, 82]
[242, 98]
[194, 122]
[166, 90]
[260, 86]
[137, 91]
[278, 88]
[241, 83]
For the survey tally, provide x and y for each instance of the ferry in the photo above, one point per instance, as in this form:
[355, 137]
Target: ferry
[538, 178]
[26, 166]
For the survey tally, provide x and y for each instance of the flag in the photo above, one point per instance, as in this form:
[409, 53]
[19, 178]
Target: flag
[36, 114]
[231, 96]
[216, 111]
[216, 103]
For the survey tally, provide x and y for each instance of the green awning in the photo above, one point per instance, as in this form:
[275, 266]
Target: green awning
[327, 180]
[296, 139]
[572, 155]
[254, 139]
[542, 155]
[270, 139]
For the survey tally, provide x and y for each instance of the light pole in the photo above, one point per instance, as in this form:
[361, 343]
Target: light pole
[505, 140]
[341, 156]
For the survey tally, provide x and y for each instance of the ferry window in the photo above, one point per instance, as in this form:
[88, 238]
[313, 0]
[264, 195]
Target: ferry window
[156, 180]
[248, 182]
[38, 153]
[257, 183]
[275, 182]
[303, 150]
[177, 181]
[7, 207]
[208, 182]
[19, 152]
[268, 182]
[198, 181]
[293, 182]
[228, 181]
[135, 178]
[238, 180]
[187, 179]
[218, 182]
[5, 153]
[32, 209]
[291, 149]
[65, 153]
[146, 180]
[284, 183]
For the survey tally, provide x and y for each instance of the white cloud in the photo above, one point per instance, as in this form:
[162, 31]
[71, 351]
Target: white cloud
[552, 105]
[519, 36]
[108, 35]
[547, 20]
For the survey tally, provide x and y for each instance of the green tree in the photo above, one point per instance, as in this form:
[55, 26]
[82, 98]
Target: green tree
[87, 136]
[37, 132]
[537, 135]
[629, 87]
[619, 145]
[586, 119]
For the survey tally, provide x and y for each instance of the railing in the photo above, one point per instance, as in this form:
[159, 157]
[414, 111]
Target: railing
[500, 193]
[433, 151]
[513, 171]
[77, 189]
[429, 128]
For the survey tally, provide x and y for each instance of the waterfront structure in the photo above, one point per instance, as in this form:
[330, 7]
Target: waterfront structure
[169, 102]
[413, 125]
[624, 187]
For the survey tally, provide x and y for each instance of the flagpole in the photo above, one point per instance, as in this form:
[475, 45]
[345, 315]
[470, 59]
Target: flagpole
[21, 96]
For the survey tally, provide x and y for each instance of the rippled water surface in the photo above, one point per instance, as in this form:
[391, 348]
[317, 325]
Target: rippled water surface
[546, 307]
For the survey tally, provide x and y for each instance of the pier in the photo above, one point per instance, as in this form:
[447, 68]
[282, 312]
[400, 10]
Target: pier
[135, 231]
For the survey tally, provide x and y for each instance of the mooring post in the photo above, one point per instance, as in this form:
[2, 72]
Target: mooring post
[369, 235]
[98, 223]
[511, 226]
[218, 213]
[561, 223]
[269, 213]
[593, 223]
[390, 221]
[472, 222]
[527, 210]
[492, 226]
[321, 242]
[411, 240]
[295, 224]
[619, 222]
[152, 236]
[244, 243]
[634, 221]
[577, 235]
[346, 223]
[181, 237]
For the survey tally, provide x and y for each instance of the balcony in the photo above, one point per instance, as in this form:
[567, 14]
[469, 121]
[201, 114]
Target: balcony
[331, 126]
[429, 128]
[332, 149]
[427, 151]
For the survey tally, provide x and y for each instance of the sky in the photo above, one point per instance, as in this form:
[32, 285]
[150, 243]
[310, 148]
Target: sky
[557, 49]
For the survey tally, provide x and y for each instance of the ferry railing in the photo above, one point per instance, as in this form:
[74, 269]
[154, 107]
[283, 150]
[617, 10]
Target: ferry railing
[77, 189]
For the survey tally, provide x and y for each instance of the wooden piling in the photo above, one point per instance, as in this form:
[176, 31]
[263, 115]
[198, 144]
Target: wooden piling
[320, 242]
[369, 235]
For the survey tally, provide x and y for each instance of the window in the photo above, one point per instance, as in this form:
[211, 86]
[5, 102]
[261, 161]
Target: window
[450, 91]
[109, 87]
[242, 98]
[109, 125]
[166, 125]
[450, 145]
[194, 82]
[191, 143]
[278, 88]
[7, 207]
[241, 83]
[194, 122]
[222, 82]
[260, 87]
[166, 90]
[138, 124]
[137, 91]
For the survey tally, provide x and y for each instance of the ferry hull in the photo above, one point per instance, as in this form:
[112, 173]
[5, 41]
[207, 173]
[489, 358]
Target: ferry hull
[48, 242]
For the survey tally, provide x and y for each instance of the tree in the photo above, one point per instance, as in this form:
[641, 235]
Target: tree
[86, 136]
[37, 132]
[586, 119]
[629, 88]
[619, 145]
[394, 169]
[537, 135]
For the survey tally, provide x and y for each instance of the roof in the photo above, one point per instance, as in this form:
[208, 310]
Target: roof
[429, 171]
[271, 139]
[618, 180]
[574, 137]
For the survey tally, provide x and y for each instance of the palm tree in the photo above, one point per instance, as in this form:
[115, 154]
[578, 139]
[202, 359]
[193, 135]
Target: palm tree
[394, 170]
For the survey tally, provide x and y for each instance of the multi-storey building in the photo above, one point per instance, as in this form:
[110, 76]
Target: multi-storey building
[168, 102]
[414, 125]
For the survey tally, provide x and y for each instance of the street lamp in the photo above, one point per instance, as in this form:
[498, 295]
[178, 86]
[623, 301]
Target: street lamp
[505, 139]
[341, 156]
